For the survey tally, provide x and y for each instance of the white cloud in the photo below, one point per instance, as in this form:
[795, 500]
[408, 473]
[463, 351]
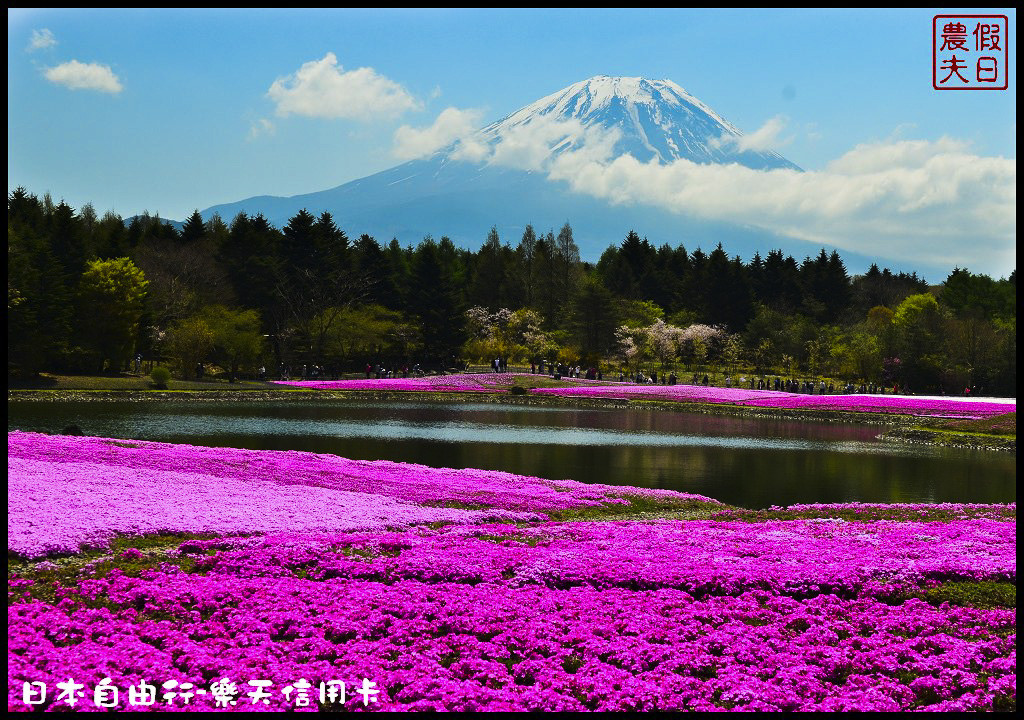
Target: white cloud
[766, 137]
[261, 127]
[531, 145]
[41, 39]
[471, 149]
[909, 200]
[451, 125]
[84, 76]
[322, 88]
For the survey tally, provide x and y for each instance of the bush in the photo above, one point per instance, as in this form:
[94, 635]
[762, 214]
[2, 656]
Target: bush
[517, 390]
[160, 376]
[982, 593]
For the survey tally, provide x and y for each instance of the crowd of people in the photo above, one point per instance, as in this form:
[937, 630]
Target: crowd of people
[306, 372]
[805, 387]
[380, 372]
[778, 384]
[318, 372]
[558, 370]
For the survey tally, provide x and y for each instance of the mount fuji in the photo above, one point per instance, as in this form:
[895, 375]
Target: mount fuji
[497, 177]
[654, 119]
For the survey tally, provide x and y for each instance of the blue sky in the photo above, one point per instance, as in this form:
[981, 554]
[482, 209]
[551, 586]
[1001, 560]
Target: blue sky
[173, 110]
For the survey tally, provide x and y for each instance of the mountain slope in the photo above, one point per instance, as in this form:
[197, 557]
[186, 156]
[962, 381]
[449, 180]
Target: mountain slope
[496, 177]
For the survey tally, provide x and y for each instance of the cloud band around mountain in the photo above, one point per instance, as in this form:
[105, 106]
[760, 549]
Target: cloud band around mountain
[908, 200]
[452, 124]
[766, 137]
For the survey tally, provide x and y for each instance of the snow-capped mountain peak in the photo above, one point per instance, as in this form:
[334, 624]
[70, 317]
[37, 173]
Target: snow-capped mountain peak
[655, 119]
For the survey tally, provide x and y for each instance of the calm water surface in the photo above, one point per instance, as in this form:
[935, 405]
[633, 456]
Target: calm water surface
[743, 461]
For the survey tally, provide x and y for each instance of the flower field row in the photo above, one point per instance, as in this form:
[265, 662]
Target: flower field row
[62, 507]
[603, 616]
[491, 383]
[799, 557]
[896, 404]
[66, 492]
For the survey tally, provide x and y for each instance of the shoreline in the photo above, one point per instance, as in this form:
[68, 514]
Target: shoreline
[951, 439]
[902, 428]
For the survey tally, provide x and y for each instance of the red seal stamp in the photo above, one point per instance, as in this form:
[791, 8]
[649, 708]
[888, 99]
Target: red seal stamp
[970, 52]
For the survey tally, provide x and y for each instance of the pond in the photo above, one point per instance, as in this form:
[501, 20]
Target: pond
[752, 462]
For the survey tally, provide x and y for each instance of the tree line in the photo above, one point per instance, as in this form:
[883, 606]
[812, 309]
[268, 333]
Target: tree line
[89, 293]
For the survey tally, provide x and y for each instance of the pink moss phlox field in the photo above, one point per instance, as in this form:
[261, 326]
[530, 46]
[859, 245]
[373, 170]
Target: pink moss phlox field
[470, 382]
[910, 511]
[799, 557]
[347, 582]
[560, 616]
[65, 492]
[937, 407]
[61, 507]
[500, 382]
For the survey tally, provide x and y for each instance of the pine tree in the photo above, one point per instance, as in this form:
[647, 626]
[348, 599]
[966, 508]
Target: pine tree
[526, 256]
[568, 259]
[194, 228]
[67, 241]
[489, 275]
[434, 300]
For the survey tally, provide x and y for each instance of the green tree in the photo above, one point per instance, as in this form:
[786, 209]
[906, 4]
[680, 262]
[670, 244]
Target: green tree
[194, 228]
[67, 239]
[189, 343]
[526, 255]
[112, 293]
[594, 319]
[250, 258]
[435, 301]
[917, 324]
[237, 338]
[971, 346]
[490, 276]
[639, 313]
[860, 356]
[966, 293]
[568, 255]
[371, 334]
[39, 307]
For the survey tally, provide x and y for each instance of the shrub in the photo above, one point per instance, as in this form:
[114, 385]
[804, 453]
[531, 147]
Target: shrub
[160, 376]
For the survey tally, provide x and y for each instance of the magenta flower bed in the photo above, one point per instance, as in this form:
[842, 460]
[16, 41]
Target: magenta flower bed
[61, 507]
[798, 557]
[910, 511]
[65, 492]
[605, 616]
[344, 581]
[499, 382]
[769, 398]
